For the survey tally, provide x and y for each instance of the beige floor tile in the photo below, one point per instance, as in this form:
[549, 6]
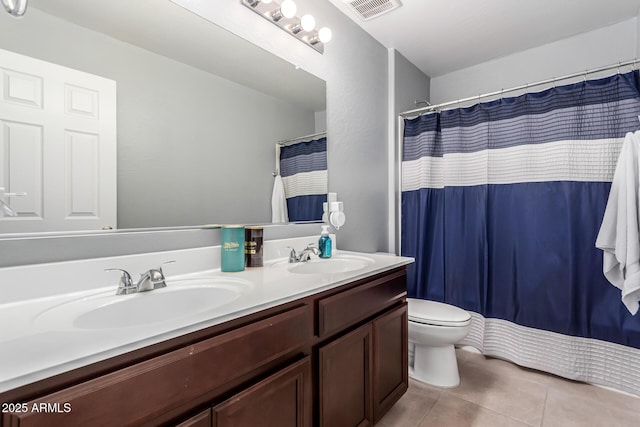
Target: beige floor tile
[579, 405]
[412, 407]
[497, 393]
[464, 355]
[493, 385]
[597, 395]
[451, 411]
[503, 367]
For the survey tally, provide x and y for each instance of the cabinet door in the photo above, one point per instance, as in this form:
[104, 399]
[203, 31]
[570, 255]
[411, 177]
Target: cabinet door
[203, 419]
[281, 400]
[390, 359]
[345, 380]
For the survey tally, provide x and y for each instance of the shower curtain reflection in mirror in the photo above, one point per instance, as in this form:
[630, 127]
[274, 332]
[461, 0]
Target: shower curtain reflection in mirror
[303, 167]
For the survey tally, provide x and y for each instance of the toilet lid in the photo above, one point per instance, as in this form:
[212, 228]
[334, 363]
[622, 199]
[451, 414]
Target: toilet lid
[436, 313]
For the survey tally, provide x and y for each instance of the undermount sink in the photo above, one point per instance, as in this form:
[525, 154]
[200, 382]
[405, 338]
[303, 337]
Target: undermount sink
[337, 264]
[184, 299]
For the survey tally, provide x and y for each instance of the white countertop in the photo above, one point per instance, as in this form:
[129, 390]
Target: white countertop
[32, 349]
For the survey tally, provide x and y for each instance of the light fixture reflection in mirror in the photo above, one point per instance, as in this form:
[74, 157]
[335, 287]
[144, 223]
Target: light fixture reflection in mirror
[15, 8]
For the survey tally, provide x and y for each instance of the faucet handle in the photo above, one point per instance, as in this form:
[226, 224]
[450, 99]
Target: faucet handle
[293, 256]
[164, 263]
[159, 268]
[125, 286]
[156, 276]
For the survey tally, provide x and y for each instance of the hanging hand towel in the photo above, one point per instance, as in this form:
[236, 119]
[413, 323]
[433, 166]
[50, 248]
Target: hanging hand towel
[619, 236]
[278, 202]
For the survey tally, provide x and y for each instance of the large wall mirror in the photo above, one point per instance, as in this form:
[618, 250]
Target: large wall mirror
[199, 110]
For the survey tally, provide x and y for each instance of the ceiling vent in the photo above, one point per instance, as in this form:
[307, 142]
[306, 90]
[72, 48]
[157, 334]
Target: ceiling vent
[369, 9]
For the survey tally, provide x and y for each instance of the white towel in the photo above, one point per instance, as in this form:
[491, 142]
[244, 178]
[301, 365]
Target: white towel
[619, 235]
[278, 202]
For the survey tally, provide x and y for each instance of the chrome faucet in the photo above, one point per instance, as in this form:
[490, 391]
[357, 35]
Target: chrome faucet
[304, 255]
[149, 280]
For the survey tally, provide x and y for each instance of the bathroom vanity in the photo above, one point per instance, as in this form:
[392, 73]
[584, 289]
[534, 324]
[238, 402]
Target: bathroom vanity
[325, 345]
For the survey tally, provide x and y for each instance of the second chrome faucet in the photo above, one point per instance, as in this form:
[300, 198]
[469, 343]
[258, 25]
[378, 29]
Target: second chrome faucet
[304, 255]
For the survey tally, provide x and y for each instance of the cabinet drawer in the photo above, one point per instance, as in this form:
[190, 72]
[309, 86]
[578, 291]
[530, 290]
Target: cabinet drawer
[344, 309]
[140, 393]
[281, 400]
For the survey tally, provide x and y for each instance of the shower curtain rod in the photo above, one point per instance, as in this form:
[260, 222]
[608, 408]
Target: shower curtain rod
[292, 141]
[431, 108]
[300, 138]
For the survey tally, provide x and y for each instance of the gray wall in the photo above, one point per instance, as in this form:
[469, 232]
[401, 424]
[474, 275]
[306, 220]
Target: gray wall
[410, 84]
[605, 46]
[193, 148]
[357, 114]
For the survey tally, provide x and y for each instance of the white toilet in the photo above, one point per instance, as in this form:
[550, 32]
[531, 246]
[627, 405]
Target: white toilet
[434, 328]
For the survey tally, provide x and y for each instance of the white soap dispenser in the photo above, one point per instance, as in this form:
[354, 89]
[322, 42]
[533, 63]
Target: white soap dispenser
[324, 244]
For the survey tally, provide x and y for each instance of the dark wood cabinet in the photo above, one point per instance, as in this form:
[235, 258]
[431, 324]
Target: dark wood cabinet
[337, 358]
[281, 400]
[390, 359]
[363, 373]
[345, 374]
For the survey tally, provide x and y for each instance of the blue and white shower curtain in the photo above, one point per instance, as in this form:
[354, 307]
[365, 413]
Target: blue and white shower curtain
[303, 167]
[501, 205]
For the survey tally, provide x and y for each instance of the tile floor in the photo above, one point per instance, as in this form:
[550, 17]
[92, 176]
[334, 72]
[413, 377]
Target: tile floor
[495, 393]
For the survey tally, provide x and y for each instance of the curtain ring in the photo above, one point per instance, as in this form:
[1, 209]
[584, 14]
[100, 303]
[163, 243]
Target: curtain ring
[618, 67]
[585, 75]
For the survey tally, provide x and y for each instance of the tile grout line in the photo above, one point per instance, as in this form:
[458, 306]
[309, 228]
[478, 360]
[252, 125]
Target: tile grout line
[480, 405]
[429, 410]
[544, 407]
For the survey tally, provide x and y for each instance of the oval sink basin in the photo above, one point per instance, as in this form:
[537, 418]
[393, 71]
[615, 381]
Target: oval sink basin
[186, 299]
[335, 265]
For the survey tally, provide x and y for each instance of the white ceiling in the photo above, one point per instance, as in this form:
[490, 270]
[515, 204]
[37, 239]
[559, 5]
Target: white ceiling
[441, 36]
[438, 36]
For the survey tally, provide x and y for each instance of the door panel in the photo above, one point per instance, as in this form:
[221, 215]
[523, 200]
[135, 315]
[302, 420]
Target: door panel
[57, 144]
[345, 380]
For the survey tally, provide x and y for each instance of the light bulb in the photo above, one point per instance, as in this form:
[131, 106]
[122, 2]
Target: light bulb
[288, 8]
[324, 34]
[308, 22]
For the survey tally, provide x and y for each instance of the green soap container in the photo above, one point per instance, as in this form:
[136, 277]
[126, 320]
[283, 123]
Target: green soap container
[232, 248]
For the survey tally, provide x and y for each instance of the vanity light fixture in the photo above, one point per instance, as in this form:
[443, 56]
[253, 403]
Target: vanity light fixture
[283, 14]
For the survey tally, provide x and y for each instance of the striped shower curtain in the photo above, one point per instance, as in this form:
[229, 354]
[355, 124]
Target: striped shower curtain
[501, 205]
[303, 167]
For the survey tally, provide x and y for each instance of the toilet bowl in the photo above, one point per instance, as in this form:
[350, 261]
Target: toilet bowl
[434, 328]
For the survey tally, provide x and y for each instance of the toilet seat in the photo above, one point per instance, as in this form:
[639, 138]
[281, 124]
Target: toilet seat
[437, 313]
